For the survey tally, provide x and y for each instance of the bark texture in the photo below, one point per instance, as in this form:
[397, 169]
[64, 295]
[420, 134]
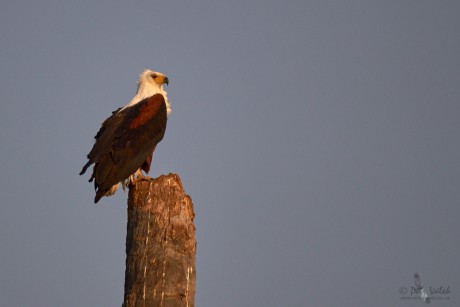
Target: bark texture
[160, 244]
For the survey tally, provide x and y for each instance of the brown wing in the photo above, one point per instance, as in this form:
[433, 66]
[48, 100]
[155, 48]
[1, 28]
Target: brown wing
[104, 139]
[126, 142]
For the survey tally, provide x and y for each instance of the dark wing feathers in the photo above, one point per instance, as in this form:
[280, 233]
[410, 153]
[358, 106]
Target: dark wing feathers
[146, 165]
[104, 138]
[126, 141]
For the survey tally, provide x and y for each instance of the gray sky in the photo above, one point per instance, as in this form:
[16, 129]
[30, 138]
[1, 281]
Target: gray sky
[319, 141]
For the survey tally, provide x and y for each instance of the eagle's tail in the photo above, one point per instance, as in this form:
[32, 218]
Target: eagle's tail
[101, 193]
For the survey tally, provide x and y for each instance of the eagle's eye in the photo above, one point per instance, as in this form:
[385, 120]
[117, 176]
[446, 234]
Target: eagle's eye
[154, 76]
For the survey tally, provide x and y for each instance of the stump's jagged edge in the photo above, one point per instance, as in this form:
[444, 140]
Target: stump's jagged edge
[160, 244]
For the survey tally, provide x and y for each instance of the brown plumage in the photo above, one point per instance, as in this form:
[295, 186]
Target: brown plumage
[125, 143]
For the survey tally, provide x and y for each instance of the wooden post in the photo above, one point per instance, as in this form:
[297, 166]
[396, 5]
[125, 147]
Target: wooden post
[160, 244]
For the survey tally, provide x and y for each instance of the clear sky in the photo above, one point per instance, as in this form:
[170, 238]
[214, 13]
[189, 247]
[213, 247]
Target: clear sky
[319, 141]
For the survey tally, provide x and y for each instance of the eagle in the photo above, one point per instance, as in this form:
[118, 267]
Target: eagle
[126, 141]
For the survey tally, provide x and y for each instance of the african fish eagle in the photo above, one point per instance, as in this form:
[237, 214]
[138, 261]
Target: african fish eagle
[127, 139]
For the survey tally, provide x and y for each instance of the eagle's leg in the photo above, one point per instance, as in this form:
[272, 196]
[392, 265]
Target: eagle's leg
[137, 175]
[141, 175]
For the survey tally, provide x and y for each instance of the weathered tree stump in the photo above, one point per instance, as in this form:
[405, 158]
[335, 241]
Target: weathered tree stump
[160, 244]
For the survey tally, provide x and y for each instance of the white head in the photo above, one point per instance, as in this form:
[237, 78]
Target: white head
[149, 84]
[153, 79]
